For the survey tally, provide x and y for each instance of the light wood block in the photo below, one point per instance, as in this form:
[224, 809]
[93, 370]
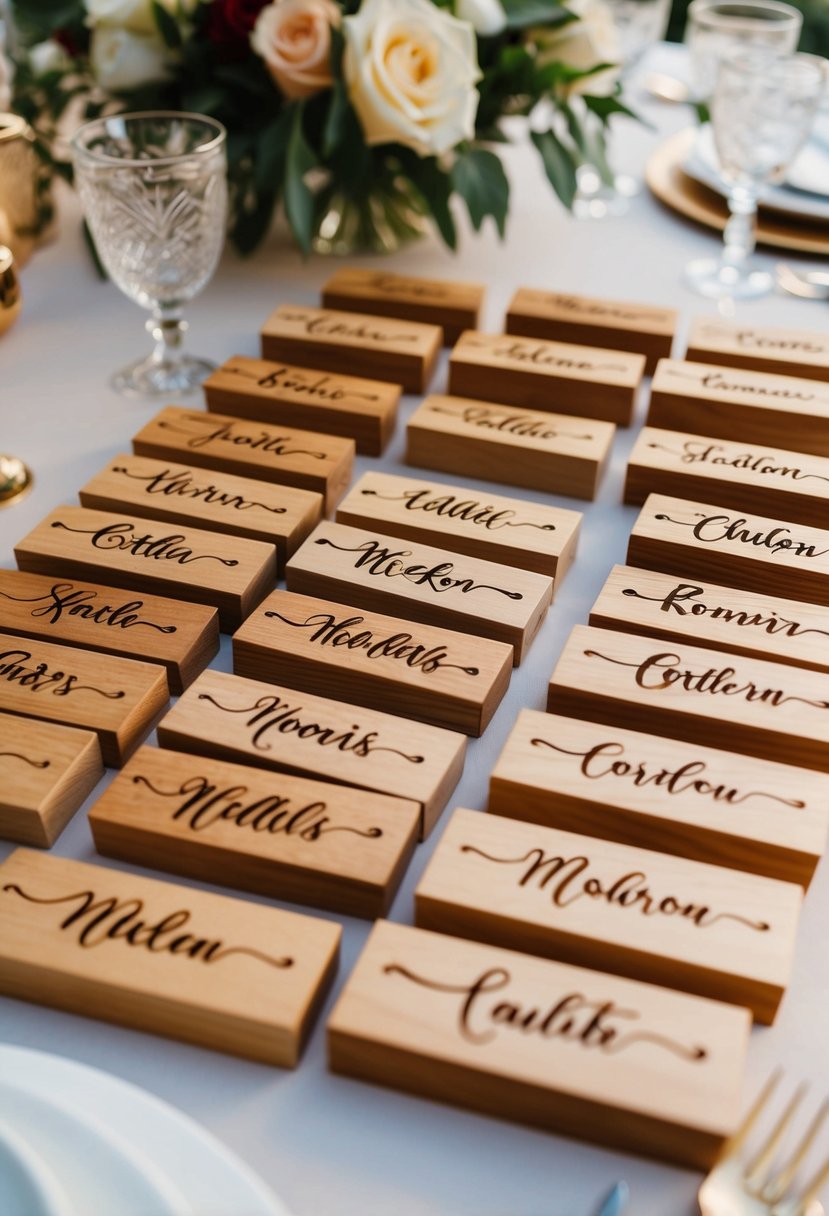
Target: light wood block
[149, 557]
[280, 394]
[529, 448]
[207, 969]
[696, 539]
[727, 402]
[594, 1056]
[583, 381]
[790, 485]
[452, 305]
[48, 771]
[252, 722]
[373, 571]
[307, 842]
[560, 316]
[687, 692]
[354, 344]
[724, 618]
[117, 698]
[764, 348]
[513, 531]
[238, 506]
[432, 675]
[286, 456]
[629, 911]
[182, 637]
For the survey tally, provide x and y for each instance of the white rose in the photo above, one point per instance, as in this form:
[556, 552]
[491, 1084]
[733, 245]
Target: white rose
[47, 56]
[122, 60]
[487, 17]
[583, 44]
[135, 15]
[6, 77]
[411, 71]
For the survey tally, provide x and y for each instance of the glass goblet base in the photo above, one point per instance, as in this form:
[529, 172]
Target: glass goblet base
[151, 377]
[718, 280]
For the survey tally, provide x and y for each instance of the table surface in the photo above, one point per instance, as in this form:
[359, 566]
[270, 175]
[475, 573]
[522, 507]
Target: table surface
[331, 1146]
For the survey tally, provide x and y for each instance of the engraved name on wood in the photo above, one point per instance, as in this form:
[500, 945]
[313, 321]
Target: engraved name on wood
[47, 772]
[765, 348]
[452, 305]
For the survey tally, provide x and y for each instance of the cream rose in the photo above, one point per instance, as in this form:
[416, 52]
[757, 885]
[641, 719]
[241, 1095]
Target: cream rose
[486, 17]
[6, 74]
[122, 60]
[135, 15]
[294, 39]
[411, 71]
[583, 44]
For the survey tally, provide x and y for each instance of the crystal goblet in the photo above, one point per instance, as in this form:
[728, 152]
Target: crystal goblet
[718, 29]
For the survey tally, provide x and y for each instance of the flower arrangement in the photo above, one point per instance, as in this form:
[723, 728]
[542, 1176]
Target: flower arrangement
[362, 118]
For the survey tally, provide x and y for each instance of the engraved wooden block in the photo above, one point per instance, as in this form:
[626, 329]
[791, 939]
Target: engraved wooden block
[665, 920]
[686, 692]
[513, 531]
[530, 448]
[560, 316]
[791, 485]
[765, 348]
[308, 842]
[145, 556]
[119, 699]
[726, 402]
[724, 618]
[371, 570]
[48, 771]
[354, 344]
[207, 969]
[584, 381]
[239, 506]
[231, 718]
[696, 539]
[432, 675]
[182, 637]
[285, 455]
[598, 1057]
[452, 305]
[280, 394]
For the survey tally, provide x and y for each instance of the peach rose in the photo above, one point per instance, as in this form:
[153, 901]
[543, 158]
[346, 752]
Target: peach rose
[294, 39]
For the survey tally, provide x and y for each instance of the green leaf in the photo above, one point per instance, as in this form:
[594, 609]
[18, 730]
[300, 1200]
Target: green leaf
[603, 107]
[436, 188]
[559, 164]
[251, 224]
[523, 13]
[269, 156]
[299, 201]
[167, 26]
[479, 178]
[334, 130]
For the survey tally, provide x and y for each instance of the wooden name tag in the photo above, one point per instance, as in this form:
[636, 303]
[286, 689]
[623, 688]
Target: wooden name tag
[182, 637]
[742, 622]
[578, 380]
[451, 305]
[287, 456]
[279, 728]
[508, 530]
[527, 448]
[665, 920]
[308, 842]
[374, 571]
[206, 969]
[658, 793]
[283, 395]
[569, 1050]
[278, 515]
[48, 771]
[228, 573]
[693, 539]
[433, 675]
[765, 348]
[642, 328]
[686, 692]
[790, 485]
[727, 401]
[354, 344]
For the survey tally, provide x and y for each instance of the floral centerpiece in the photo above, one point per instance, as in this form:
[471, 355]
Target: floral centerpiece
[361, 118]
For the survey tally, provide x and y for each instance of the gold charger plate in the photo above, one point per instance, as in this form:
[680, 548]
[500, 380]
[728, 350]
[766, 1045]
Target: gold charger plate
[667, 181]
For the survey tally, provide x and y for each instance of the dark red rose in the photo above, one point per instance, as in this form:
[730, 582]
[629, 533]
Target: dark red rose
[229, 22]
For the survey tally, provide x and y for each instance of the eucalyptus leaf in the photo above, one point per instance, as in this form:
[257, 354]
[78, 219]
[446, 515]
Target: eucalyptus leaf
[167, 26]
[299, 201]
[480, 180]
[559, 164]
[523, 13]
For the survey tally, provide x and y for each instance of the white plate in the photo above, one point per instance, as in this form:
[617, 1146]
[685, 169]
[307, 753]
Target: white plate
[78, 1142]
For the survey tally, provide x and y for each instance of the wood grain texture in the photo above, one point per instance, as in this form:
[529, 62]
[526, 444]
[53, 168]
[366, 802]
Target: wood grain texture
[530, 448]
[48, 771]
[207, 969]
[629, 911]
[605, 1059]
[513, 531]
[373, 571]
[287, 838]
[452, 305]
[182, 637]
[280, 394]
[764, 348]
[151, 557]
[433, 675]
[252, 722]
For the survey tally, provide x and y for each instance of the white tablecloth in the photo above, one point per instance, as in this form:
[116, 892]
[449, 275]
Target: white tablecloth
[331, 1146]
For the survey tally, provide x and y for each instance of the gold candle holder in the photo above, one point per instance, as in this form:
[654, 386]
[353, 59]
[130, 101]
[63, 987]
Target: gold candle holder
[15, 477]
[25, 189]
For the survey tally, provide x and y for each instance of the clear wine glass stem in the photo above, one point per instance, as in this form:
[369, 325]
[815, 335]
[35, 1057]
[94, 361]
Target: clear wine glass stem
[167, 329]
[740, 235]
